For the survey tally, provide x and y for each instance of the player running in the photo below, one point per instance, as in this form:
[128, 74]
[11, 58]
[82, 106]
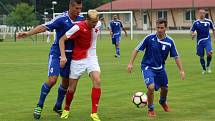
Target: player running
[202, 26]
[115, 28]
[157, 47]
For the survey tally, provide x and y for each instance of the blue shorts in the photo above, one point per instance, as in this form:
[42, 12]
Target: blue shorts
[116, 40]
[156, 77]
[201, 47]
[54, 68]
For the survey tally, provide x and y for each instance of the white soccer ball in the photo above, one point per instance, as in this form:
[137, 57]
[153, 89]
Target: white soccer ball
[139, 99]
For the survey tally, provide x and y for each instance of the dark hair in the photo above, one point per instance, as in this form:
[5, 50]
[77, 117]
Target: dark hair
[76, 1]
[161, 21]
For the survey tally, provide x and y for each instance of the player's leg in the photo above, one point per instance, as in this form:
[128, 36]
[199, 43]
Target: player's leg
[117, 47]
[200, 53]
[53, 72]
[162, 77]
[77, 68]
[62, 89]
[209, 55]
[93, 70]
[148, 77]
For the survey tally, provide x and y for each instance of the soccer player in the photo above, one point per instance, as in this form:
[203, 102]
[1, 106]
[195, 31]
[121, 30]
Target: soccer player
[61, 24]
[115, 28]
[157, 47]
[84, 58]
[202, 26]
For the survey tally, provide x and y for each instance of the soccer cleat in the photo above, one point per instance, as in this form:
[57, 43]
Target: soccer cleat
[37, 112]
[209, 69]
[65, 114]
[203, 72]
[151, 113]
[116, 56]
[165, 107]
[95, 117]
[57, 110]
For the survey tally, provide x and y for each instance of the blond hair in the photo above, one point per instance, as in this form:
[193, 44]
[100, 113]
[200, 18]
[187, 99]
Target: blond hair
[92, 14]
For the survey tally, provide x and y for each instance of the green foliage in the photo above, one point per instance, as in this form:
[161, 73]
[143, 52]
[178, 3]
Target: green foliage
[22, 15]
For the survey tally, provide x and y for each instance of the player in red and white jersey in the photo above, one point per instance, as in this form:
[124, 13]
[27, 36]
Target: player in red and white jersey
[84, 58]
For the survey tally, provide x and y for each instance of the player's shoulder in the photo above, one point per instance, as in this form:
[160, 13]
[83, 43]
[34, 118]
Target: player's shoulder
[208, 20]
[149, 36]
[169, 39]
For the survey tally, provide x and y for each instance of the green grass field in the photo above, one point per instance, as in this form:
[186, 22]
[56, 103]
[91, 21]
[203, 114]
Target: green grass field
[23, 69]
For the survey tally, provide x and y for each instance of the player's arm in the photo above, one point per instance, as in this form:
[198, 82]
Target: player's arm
[192, 31]
[62, 50]
[181, 70]
[123, 28]
[37, 29]
[131, 62]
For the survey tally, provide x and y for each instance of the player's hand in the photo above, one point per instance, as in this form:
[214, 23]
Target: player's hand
[21, 35]
[130, 67]
[182, 73]
[63, 61]
[193, 35]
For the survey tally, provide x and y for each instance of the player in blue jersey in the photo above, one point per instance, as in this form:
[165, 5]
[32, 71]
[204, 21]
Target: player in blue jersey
[202, 26]
[157, 47]
[61, 24]
[115, 28]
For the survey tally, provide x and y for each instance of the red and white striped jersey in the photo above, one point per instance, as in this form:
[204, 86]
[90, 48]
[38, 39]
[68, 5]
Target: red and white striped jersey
[84, 40]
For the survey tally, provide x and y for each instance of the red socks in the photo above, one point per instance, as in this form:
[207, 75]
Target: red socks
[95, 96]
[69, 97]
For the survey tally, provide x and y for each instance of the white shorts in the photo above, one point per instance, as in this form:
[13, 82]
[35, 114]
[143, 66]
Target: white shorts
[78, 67]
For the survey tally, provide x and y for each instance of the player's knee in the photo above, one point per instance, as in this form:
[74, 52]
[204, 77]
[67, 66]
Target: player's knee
[97, 83]
[151, 88]
[52, 81]
[65, 83]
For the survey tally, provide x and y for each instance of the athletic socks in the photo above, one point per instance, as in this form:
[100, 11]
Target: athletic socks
[208, 60]
[162, 100]
[118, 51]
[44, 92]
[151, 107]
[69, 97]
[202, 61]
[95, 96]
[61, 95]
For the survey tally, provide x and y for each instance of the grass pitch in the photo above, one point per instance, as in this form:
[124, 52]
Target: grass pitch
[23, 69]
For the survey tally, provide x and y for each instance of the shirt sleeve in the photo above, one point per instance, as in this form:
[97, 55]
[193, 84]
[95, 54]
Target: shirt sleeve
[121, 24]
[212, 25]
[73, 32]
[193, 28]
[53, 24]
[173, 51]
[142, 45]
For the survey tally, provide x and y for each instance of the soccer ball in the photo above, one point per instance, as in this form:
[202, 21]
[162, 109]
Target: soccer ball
[139, 99]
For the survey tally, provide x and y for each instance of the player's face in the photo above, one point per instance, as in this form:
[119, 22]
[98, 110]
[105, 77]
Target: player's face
[75, 9]
[115, 17]
[93, 22]
[161, 29]
[202, 14]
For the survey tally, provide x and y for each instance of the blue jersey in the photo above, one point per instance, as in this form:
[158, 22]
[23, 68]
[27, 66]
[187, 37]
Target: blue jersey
[203, 30]
[156, 51]
[116, 27]
[61, 24]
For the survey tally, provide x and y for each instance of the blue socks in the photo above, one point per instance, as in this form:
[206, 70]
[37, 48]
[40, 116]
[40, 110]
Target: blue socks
[151, 107]
[162, 100]
[44, 92]
[202, 61]
[118, 51]
[61, 95]
[208, 60]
